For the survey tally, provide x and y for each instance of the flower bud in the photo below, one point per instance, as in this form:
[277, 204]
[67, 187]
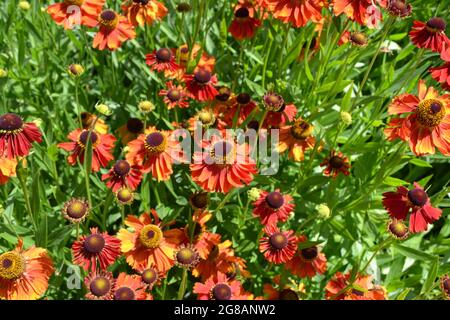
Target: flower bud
[346, 117]
[24, 5]
[75, 70]
[253, 194]
[3, 73]
[323, 211]
[103, 109]
[146, 106]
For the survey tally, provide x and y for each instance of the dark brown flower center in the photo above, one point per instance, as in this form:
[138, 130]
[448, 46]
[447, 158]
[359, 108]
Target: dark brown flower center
[446, 286]
[437, 24]
[336, 162]
[143, 2]
[418, 197]
[358, 38]
[202, 76]
[309, 253]
[7, 263]
[163, 55]
[278, 240]
[134, 125]
[10, 122]
[275, 200]
[100, 286]
[186, 256]
[224, 94]
[84, 136]
[174, 95]
[124, 293]
[108, 15]
[121, 168]
[430, 112]
[241, 13]
[76, 209]
[243, 98]
[155, 139]
[288, 294]
[254, 124]
[94, 243]
[200, 200]
[357, 292]
[149, 276]
[273, 101]
[301, 130]
[221, 291]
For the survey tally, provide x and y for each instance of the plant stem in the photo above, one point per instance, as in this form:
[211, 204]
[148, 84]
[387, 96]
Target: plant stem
[183, 284]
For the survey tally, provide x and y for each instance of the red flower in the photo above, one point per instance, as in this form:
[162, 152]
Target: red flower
[273, 207]
[335, 164]
[299, 13]
[113, 30]
[93, 248]
[430, 35]
[71, 12]
[243, 25]
[201, 85]
[100, 285]
[416, 200]
[442, 73]
[218, 287]
[131, 130]
[339, 288]
[102, 145]
[276, 119]
[278, 246]
[240, 106]
[141, 12]
[130, 287]
[162, 60]
[362, 11]
[308, 262]
[16, 136]
[123, 174]
[174, 96]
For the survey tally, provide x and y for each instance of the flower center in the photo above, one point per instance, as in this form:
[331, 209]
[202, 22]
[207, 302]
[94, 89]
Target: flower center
[121, 168]
[398, 229]
[94, 243]
[224, 94]
[149, 276]
[223, 153]
[446, 286]
[275, 200]
[134, 125]
[151, 236]
[12, 265]
[221, 291]
[243, 98]
[336, 162]
[357, 292]
[84, 136]
[100, 286]
[109, 19]
[254, 124]
[437, 24]
[288, 294]
[358, 38]
[143, 2]
[155, 142]
[278, 240]
[200, 200]
[74, 2]
[174, 95]
[301, 130]
[241, 13]
[273, 101]
[418, 197]
[163, 55]
[10, 123]
[309, 254]
[76, 209]
[430, 112]
[202, 76]
[124, 293]
[206, 117]
[124, 195]
[186, 256]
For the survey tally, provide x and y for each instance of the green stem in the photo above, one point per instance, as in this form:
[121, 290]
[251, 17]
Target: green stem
[26, 196]
[183, 284]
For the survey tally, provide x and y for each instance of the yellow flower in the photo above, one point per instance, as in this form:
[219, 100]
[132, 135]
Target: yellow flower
[75, 70]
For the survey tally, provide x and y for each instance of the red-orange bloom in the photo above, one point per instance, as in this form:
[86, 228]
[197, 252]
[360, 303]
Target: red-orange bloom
[218, 287]
[100, 285]
[243, 25]
[201, 85]
[113, 30]
[174, 96]
[102, 145]
[427, 124]
[299, 13]
[279, 117]
[129, 287]
[340, 288]
[156, 151]
[273, 207]
[442, 74]
[308, 262]
[222, 166]
[141, 12]
[416, 200]
[148, 243]
[16, 136]
[123, 174]
[150, 275]
[24, 274]
[131, 130]
[364, 12]
[335, 164]
[7, 169]
[240, 106]
[162, 60]
[70, 13]
[296, 138]
[95, 247]
[278, 246]
[430, 35]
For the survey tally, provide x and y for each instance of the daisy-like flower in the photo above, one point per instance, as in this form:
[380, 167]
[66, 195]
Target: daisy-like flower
[218, 287]
[223, 165]
[129, 287]
[397, 229]
[427, 122]
[150, 276]
[278, 246]
[95, 247]
[100, 285]
[156, 151]
[308, 261]
[162, 60]
[416, 202]
[124, 196]
[298, 13]
[131, 130]
[201, 84]
[102, 146]
[17, 136]
[291, 291]
[430, 35]
[88, 120]
[174, 96]
[442, 73]
[7, 169]
[186, 256]
[240, 106]
[123, 174]
[445, 287]
[399, 8]
[217, 256]
[113, 30]
[296, 138]
[273, 207]
[243, 25]
[76, 210]
[362, 289]
[141, 12]
[70, 13]
[360, 11]
[336, 163]
[278, 111]
[24, 274]
[148, 243]
[199, 200]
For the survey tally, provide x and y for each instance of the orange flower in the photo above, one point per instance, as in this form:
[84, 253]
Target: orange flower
[308, 262]
[89, 119]
[278, 246]
[206, 61]
[102, 145]
[272, 207]
[129, 287]
[148, 243]
[243, 25]
[131, 130]
[100, 285]
[361, 11]
[427, 124]
[113, 30]
[123, 174]
[140, 12]
[24, 274]
[150, 275]
[339, 288]
[240, 106]
[71, 12]
[156, 151]
[335, 164]
[174, 96]
[218, 287]
[296, 12]
[7, 169]
[297, 139]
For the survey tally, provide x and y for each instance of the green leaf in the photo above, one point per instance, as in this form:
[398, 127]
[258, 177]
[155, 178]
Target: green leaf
[413, 253]
[403, 294]
[395, 182]
[420, 163]
[432, 275]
